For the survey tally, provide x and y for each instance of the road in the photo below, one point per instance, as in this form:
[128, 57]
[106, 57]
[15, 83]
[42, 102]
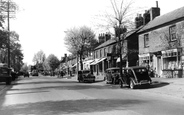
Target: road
[55, 96]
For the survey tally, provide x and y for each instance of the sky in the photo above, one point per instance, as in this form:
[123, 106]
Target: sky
[41, 24]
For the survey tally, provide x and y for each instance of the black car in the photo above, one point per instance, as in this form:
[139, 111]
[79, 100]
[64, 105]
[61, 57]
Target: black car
[26, 74]
[135, 76]
[5, 75]
[86, 75]
[112, 75]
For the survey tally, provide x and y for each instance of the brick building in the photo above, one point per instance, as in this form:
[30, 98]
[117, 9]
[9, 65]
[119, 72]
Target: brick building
[105, 55]
[161, 42]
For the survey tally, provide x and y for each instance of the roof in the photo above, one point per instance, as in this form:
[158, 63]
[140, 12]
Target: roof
[111, 41]
[164, 19]
[108, 42]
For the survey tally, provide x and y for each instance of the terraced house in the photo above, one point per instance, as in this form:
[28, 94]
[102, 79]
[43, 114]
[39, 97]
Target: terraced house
[105, 55]
[161, 42]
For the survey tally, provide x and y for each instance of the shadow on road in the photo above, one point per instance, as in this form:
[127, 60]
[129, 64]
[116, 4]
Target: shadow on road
[155, 84]
[69, 107]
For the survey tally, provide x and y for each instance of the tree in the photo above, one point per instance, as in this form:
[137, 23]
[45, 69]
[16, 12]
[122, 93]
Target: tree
[39, 57]
[16, 56]
[80, 41]
[53, 61]
[120, 21]
[24, 68]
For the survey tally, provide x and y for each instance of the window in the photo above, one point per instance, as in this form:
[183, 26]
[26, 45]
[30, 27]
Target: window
[109, 49]
[146, 40]
[105, 54]
[96, 54]
[172, 33]
[100, 53]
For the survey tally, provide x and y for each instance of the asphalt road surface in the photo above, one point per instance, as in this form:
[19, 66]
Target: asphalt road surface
[55, 96]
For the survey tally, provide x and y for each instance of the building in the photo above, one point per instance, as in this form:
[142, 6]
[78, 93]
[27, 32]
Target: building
[161, 43]
[106, 54]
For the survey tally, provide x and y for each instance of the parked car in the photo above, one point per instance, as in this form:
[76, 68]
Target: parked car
[135, 76]
[86, 75]
[34, 73]
[14, 75]
[112, 75]
[5, 75]
[26, 74]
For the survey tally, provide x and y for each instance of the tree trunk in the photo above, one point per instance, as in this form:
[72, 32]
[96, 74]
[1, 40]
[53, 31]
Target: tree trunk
[81, 64]
[120, 56]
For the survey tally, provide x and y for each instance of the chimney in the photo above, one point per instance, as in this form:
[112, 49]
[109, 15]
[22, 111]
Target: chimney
[146, 17]
[138, 21]
[107, 36]
[157, 4]
[154, 11]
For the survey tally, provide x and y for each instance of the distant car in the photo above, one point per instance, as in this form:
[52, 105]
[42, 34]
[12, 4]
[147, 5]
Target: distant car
[34, 73]
[86, 75]
[5, 75]
[136, 76]
[112, 75]
[26, 74]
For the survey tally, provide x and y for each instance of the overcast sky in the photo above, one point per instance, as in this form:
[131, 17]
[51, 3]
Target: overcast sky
[41, 23]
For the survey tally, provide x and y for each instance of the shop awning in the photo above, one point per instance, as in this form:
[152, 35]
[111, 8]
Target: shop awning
[88, 61]
[123, 57]
[145, 56]
[171, 53]
[97, 61]
[74, 65]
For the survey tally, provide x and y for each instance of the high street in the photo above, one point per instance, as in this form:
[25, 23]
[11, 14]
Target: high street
[55, 96]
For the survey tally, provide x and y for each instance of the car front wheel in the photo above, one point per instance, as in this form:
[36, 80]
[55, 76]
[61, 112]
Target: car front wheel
[121, 84]
[132, 85]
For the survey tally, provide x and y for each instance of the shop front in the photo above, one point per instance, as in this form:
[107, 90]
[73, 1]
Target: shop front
[172, 64]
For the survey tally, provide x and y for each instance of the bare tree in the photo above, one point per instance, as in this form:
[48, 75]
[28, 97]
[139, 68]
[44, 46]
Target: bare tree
[79, 41]
[39, 57]
[120, 20]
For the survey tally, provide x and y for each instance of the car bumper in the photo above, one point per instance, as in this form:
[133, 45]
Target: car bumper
[144, 83]
[89, 79]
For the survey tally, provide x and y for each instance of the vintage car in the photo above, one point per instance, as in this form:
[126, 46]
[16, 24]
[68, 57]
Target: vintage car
[112, 75]
[85, 75]
[26, 74]
[34, 73]
[5, 75]
[135, 76]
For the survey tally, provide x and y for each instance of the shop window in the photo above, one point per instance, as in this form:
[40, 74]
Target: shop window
[172, 33]
[171, 63]
[146, 40]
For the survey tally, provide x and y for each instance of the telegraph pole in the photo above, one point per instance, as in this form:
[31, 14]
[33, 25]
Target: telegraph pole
[8, 45]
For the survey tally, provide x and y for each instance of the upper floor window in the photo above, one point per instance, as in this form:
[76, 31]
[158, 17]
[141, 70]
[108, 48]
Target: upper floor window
[146, 40]
[96, 54]
[100, 53]
[172, 32]
[109, 48]
[104, 51]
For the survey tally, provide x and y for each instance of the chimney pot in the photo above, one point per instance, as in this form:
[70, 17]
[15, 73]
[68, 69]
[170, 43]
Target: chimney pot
[157, 4]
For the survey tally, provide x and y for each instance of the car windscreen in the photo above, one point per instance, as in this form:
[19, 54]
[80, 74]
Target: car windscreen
[3, 71]
[141, 73]
[115, 70]
[85, 72]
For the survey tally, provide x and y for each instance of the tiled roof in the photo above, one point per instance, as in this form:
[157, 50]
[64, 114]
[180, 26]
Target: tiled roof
[108, 42]
[163, 19]
[111, 41]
